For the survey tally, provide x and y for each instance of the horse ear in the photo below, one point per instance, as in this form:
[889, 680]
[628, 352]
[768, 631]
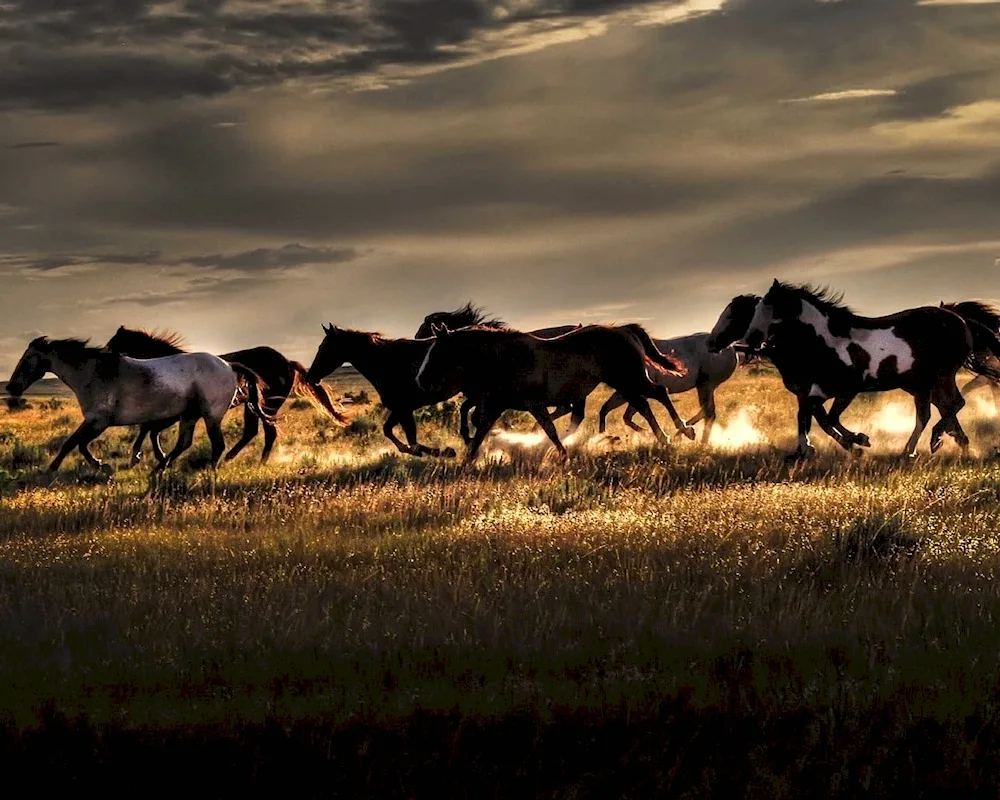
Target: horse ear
[440, 331]
[328, 328]
[776, 284]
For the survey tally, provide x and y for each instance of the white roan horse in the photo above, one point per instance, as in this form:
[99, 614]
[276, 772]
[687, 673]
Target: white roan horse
[117, 390]
[706, 371]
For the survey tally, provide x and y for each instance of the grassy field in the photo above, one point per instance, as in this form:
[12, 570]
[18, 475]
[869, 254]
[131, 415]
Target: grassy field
[644, 621]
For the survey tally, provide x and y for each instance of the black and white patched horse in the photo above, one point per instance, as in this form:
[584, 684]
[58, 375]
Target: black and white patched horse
[824, 350]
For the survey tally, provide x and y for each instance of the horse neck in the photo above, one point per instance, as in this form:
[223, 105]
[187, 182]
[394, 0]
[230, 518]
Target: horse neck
[76, 378]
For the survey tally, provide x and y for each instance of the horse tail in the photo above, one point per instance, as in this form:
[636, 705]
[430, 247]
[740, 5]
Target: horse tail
[667, 361]
[255, 388]
[985, 356]
[316, 393]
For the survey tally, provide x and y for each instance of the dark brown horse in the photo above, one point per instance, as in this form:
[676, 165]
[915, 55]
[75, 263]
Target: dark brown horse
[506, 369]
[839, 354]
[281, 377]
[390, 366]
[975, 312]
[469, 315]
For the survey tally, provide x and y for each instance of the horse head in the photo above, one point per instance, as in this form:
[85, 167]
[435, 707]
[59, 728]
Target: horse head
[32, 366]
[733, 323]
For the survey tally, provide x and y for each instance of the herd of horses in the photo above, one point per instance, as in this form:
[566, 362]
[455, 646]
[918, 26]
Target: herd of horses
[822, 350]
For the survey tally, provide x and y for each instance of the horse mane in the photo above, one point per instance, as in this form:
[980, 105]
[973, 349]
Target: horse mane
[75, 352]
[822, 297]
[167, 340]
[468, 316]
[984, 313]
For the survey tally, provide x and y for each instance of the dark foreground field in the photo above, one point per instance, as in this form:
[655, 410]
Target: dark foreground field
[641, 622]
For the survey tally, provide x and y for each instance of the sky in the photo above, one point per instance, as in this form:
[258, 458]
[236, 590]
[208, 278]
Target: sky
[243, 171]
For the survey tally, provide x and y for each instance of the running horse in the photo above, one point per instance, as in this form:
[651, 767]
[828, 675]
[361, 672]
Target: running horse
[390, 366]
[281, 377]
[506, 369]
[116, 390]
[470, 315]
[824, 350]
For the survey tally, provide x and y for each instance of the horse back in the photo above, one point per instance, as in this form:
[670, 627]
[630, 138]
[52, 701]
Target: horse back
[274, 368]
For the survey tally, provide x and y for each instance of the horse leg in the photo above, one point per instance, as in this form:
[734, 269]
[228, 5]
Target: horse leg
[804, 418]
[975, 383]
[660, 393]
[214, 428]
[137, 444]
[185, 437]
[706, 402]
[949, 402]
[541, 415]
[923, 406]
[81, 437]
[486, 418]
[578, 410]
[272, 405]
[410, 430]
[251, 426]
[463, 420]
[390, 423]
[270, 437]
[642, 405]
[845, 438]
[615, 401]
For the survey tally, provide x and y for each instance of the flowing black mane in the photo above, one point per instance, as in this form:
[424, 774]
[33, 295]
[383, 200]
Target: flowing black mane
[983, 313]
[468, 316]
[75, 352]
[822, 297]
[140, 343]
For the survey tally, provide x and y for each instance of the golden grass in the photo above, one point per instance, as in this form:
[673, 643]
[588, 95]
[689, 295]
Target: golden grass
[347, 582]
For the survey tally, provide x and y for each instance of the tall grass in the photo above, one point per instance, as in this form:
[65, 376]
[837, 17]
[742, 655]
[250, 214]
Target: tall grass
[348, 585]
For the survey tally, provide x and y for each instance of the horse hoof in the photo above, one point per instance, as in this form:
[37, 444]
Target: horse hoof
[688, 431]
[935, 445]
[449, 452]
[862, 440]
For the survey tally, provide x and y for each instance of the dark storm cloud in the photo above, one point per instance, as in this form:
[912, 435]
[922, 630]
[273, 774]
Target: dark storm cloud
[263, 258]
[61, 53]
[31, 145]
[934, 97]
[260, 259]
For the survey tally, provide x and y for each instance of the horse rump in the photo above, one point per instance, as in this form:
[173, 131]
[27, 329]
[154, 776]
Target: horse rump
[667, 362]
[255, 387]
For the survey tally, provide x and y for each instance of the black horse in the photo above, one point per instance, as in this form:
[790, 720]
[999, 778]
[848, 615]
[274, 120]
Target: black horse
[469, 315]
[390, 366]
[974, 311]
[824, 350]
[506, 369]
[280, 376]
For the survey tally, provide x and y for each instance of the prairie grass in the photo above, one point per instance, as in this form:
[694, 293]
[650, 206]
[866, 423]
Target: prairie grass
[676, 620]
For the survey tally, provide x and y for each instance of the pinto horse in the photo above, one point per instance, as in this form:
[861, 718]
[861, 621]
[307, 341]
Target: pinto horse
[281, 377]
[839, 354]
[507, 369]
[116, 390]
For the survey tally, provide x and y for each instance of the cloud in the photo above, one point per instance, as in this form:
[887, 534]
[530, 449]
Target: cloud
[844, 94]
[60, 54]
[264, 258]
[261, 259]
[31, 145]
